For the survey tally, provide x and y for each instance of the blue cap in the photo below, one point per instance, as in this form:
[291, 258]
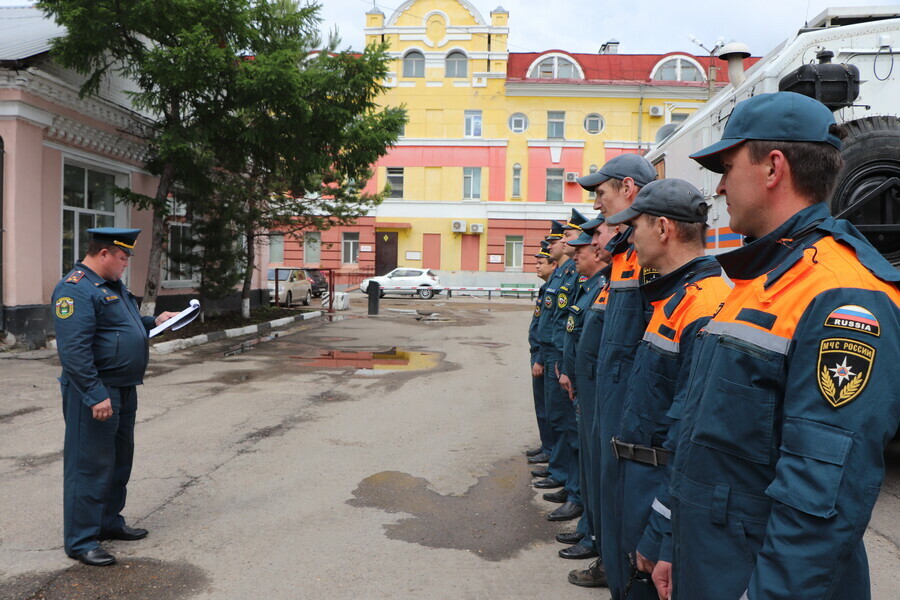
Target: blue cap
[782, 116]
[545, 250]
[575, 221]
[123, 238]
[587, 232]
[556, 231]
[674, 199]
[625, 165]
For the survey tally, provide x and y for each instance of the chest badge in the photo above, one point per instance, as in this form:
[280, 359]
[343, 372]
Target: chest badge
[548, 301]
[854, 317]
[570, 324]
[65, 308]
[537, 310]
[562, 301]
[843, 369]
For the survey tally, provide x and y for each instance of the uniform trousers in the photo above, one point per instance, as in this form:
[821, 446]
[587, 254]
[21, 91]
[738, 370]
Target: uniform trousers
[97, 460]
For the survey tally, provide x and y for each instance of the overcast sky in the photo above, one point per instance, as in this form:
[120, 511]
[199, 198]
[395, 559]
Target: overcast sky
[641, 26]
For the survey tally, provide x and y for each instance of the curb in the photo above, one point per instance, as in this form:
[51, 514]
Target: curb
[176, 345]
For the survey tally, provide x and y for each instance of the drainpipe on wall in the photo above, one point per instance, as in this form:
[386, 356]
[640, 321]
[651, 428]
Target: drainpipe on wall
[640, 119]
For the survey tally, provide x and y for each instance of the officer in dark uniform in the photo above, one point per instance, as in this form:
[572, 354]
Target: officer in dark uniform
[545, 265]
[103, 346]
[793, 393]
[616, 184]
[565, 423]
[577, 378]
[554, 401]
[668, 221]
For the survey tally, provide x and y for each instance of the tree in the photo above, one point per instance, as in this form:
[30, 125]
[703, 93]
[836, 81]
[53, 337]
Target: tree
[232, 84]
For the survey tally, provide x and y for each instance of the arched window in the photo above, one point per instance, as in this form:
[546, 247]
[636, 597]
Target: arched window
[555, 67]
[678, 68]
[457, 64]
[414, 64]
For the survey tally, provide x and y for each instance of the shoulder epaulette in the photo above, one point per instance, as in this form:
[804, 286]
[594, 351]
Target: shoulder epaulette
[75, 277]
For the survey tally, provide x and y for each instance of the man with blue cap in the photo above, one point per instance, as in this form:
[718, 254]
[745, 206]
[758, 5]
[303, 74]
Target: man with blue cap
[668, 224]
[103, 346]
[616, 184]
[578, 369]
[792, 395]
[544, 266]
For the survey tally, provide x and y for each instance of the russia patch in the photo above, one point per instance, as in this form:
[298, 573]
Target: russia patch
[854, 317]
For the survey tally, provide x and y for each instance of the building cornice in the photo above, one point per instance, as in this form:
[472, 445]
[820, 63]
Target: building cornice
[613, 90]
[410, 209]
[75, 133]
[451, 142]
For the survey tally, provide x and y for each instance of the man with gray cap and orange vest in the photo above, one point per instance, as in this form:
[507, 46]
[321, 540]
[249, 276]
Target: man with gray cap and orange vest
[792, 395]
[668, 225]
[616, 184]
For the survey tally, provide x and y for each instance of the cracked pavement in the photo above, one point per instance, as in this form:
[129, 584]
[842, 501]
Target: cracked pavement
[260, 475]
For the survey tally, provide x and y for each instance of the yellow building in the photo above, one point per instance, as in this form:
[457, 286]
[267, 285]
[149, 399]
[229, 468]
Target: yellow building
[496, 139]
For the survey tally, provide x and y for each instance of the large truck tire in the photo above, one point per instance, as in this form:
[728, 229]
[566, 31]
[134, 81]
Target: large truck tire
[871, 156]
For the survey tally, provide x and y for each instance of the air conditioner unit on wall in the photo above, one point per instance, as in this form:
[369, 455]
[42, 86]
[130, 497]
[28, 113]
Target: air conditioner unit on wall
[657, 111]
[571, 177]
[458, 227]
[476, 228]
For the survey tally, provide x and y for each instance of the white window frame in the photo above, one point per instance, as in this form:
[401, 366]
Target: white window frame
[414, 64]
[514, 251]
[517, 181]
[680, 61]
[518, 122]
[350, 248]
[601, 123]
[276, 247]
[556, 175]
[310, 238]
[471, 183]
[473, 123]
[119, 213]
[553, 60]
[456, 58]
[553, 122]
[592, 195]
[394, 175]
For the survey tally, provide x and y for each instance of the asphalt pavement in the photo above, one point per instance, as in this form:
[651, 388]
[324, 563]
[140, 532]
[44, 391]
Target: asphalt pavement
[350, 458]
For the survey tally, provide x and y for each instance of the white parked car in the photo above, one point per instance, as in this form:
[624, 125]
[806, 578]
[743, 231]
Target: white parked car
[425, 279]
[293, 285]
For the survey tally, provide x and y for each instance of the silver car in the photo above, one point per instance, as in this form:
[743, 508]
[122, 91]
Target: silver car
[293, 285]
[423, 279]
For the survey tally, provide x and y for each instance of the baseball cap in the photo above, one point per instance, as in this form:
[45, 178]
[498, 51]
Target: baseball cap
[625, 165]
[672, 198]
[782, 116]
[587, 232]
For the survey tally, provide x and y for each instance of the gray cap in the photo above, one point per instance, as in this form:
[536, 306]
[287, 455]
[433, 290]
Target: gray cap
[671, 198]
[625, 165]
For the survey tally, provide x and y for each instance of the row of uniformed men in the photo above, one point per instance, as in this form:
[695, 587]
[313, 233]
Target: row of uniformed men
[702, 432]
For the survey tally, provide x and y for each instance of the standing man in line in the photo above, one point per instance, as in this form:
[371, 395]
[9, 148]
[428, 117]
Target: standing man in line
[792, 396]
[556, 465]
[103, 345]
[668, 224]
[578, 370]
[544, 266]
[616, 184]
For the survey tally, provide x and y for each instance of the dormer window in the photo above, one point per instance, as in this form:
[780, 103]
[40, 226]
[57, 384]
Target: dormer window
[555, 67]
[678, 68]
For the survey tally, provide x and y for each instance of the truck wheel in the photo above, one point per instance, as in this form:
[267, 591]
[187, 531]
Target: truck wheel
[871, 156]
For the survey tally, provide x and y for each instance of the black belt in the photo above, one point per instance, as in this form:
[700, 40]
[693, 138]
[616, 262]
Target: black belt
[641, 454]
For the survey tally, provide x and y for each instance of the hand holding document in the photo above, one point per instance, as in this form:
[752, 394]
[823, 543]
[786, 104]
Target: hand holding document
[179, 320]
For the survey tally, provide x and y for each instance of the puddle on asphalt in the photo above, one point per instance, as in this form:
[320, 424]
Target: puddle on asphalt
[495, 519]
[142, 578]
[248, 345]
[368, 361]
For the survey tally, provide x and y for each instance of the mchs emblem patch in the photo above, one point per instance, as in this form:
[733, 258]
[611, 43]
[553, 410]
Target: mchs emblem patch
[843, 369]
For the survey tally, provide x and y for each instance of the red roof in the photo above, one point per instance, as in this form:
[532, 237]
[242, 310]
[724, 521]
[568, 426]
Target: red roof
[614, 68]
